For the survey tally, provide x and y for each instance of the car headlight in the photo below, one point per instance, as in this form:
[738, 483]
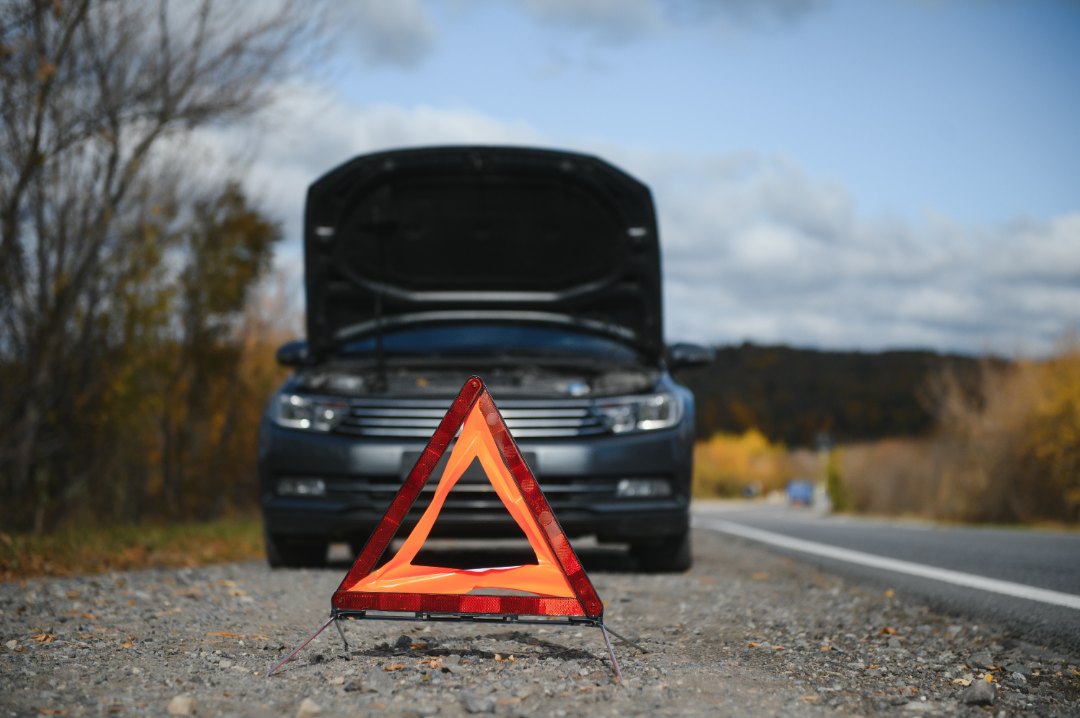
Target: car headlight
[312, 413]
[640, 413]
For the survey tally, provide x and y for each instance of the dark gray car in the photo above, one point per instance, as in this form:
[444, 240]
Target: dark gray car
[538, 270]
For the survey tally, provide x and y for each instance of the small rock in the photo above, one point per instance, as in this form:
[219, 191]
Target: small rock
[11, 645]
[354, 685]
[225, 664]
[981, 659]
[403, 642]
[308, 708]
[979, 693]
[894, 642]
[182, 705]
[920, 707]
[337, 681]
[379, 681]
[477, 704]
[1020, 668]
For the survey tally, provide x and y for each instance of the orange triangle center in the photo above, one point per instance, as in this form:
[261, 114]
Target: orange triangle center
[400, 574]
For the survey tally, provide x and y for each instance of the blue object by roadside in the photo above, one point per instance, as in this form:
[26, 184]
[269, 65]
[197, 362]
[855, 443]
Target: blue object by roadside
[800, 492]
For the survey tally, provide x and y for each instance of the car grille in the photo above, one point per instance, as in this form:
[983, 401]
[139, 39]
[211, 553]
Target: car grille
[418, 418]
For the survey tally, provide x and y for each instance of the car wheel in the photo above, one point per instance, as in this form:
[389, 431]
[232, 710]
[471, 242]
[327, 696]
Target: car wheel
[282, 552]
[668, 556]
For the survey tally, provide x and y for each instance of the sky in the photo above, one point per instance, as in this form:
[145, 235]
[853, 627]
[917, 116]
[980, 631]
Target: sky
[841, 174]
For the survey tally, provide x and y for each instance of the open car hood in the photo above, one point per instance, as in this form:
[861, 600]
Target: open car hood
[481, 233]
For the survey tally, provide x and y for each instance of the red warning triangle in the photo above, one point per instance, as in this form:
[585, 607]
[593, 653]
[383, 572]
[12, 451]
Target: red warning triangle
[555, 586]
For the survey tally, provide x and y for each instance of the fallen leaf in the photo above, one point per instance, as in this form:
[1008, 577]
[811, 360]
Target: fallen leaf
[988, 678]
[812, 698]
[752, 644]
[825, 649]
[224, 634]
[43, 637]
[778, 648]
[391, 667]
[52, 711]
[72, 595]
[129, 643]
[237, 592]
[889, 593]
[962, 681]
[760, 576]
[435, 662]
[888, 631]
[418, 645]
[259, 637]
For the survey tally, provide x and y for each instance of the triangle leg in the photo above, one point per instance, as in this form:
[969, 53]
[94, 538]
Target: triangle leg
[279, 664]
[611, 652]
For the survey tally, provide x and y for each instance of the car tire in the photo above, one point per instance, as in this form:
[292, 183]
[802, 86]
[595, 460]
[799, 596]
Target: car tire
[671, 555]
[282, 552]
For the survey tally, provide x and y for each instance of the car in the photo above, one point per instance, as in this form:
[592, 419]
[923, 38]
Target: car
[800, 492]
[537, 270]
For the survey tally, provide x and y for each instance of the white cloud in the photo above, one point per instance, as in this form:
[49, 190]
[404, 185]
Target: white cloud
[753, 247]
[385, 32]
[618, 21]
[608, 20]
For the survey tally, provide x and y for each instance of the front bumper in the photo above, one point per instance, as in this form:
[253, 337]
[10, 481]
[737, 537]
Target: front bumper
[578, 477]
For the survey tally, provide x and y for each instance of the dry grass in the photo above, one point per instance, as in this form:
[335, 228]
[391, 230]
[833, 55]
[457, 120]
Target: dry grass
[1011, 456]
[83, 551]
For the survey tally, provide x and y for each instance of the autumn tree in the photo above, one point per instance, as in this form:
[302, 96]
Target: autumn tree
[106, 244]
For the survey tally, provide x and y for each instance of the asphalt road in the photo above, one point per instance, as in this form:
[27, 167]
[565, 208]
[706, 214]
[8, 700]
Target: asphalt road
[974, 573]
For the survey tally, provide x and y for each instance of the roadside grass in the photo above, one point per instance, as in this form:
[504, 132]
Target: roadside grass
[95, 550]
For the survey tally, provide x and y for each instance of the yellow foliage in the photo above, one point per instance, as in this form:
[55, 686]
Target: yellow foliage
[726, 464]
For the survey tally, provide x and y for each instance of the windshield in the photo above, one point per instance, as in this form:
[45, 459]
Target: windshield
[521, 342]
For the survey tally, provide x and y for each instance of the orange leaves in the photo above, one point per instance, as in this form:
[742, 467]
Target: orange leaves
[43, 637]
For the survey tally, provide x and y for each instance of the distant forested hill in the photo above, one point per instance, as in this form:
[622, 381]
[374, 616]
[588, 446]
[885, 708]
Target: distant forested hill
[796, 395]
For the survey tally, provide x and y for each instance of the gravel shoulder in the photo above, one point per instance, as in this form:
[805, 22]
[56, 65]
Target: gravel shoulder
[746, 632]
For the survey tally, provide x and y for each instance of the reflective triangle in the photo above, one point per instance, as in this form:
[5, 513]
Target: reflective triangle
[555, 586]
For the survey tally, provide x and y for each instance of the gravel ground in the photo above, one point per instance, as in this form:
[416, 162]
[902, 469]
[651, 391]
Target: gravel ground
[746, 632]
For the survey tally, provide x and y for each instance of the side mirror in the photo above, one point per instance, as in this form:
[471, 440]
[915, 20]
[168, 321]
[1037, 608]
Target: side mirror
[293, 354]
[681, 356]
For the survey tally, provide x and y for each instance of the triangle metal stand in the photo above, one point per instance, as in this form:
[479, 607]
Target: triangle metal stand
[337, 616]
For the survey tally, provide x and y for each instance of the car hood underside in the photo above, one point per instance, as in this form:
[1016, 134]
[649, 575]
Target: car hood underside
[481, 233]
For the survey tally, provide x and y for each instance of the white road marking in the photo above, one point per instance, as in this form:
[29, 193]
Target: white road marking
[957, 578]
